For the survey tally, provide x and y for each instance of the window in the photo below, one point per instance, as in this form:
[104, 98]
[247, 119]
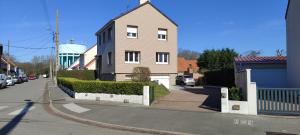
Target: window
[162, 58]
[109, 34]
[99, 39]
[132, 31]
[109, 58]
[132, 57]
[104, 37]
[162, 34]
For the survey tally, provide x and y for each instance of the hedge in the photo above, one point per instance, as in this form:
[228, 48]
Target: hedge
[79, 74]
[223, 77]
[108, 87]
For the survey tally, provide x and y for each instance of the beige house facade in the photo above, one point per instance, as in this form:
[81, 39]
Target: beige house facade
[141, 37]
[293, 43]
[87, 59]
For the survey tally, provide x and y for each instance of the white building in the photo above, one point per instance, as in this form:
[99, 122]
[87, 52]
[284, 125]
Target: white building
[69, 53]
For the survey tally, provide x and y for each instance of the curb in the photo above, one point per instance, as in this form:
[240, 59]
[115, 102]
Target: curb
[106, 125]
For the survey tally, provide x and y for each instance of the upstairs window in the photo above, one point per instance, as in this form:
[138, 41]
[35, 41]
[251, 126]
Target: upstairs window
[104, 37]
[109, 62]
[132, 31]
[132, 57]
[99, 39]
[162, 58]
[109, 34]
[162, 34]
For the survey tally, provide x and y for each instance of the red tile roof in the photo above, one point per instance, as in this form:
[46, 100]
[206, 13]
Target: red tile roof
[183, 64]
[261, 59]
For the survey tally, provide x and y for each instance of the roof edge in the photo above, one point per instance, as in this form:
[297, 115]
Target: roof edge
[287, 9]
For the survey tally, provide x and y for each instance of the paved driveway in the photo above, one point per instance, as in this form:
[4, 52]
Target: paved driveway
[191, 98]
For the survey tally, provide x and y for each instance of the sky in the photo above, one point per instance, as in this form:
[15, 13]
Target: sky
[243, 25]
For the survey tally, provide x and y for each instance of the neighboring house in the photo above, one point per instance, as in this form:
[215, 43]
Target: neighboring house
[293, 42]
[87, 59]
[8, 66]
[188, 67]
[267, 72]
[69, 53]
[141, 37]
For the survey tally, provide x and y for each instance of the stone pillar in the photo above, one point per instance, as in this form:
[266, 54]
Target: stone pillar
[146, 95]
[224, 100]
[251, 94]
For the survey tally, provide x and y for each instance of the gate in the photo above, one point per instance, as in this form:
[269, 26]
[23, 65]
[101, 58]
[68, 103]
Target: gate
[281, 101]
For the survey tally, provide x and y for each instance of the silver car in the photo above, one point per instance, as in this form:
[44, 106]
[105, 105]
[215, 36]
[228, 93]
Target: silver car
[185, 80]
[2, 80]
[10, 81]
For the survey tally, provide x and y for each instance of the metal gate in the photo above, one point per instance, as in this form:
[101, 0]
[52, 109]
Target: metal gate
[282, 101]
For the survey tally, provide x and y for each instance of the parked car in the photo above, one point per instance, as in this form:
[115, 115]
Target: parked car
[2, 80]
[24, 79]
[185, 80]
[10, 81]
[17, 80]
[31, 77]
[45, 76]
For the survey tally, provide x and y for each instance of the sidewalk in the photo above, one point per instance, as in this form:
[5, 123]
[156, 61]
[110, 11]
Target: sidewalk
[206, 123]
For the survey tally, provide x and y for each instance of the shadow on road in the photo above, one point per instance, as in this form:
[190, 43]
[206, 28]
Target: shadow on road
[16, 120]
[213, 101]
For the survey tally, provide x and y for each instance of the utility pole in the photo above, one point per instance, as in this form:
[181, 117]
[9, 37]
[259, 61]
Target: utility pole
[57, 42]
[8, 65]
[50, 66]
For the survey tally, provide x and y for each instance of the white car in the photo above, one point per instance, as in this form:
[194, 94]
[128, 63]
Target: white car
[10, 81]
[2, 80]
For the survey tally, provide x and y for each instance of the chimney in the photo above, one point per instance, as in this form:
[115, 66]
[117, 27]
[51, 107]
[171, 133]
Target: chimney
[143, 1]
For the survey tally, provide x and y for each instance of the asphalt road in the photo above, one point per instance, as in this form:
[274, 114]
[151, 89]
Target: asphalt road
[22, 113]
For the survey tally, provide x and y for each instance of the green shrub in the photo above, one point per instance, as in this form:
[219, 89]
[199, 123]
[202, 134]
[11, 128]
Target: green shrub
[108, 87]
[79, 74]
[235, 94]
[223, 77]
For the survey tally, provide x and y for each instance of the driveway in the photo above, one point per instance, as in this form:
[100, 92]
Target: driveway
[191, 98]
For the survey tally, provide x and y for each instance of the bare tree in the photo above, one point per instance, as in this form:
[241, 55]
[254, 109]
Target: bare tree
[188, 54]
[280, 52]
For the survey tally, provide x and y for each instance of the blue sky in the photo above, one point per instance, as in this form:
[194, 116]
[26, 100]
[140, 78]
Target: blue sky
[203, 24]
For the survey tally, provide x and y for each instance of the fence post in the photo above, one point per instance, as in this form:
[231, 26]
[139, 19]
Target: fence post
[146, 95]
[224, 100]
[251, 94]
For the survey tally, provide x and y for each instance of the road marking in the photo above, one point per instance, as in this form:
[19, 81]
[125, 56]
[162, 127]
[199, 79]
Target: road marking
[16, 112]
[3, 107]
[75, 108]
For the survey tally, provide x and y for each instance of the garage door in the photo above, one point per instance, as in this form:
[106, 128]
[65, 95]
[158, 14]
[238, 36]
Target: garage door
[164, 80]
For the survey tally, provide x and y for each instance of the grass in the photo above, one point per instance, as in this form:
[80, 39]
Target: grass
[159, 91]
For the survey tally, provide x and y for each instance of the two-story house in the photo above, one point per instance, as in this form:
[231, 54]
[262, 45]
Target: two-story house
[141, 37]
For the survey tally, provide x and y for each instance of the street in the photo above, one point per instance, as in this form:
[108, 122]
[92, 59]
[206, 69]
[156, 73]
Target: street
[22, 113]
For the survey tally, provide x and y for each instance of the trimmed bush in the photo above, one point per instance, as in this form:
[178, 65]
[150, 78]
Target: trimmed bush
[223, 77]
[79, 74]
[141, 74]
[108, 87]
[235, 94]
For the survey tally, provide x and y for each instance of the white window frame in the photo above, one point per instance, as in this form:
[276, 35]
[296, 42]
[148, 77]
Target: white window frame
[132, 29]
[161, 61]
[133, 59]
[162, 32]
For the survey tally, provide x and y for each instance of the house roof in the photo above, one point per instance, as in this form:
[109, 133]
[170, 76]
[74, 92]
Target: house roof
[89, 48]
[287, 9]
[183, 64]
[261, 59]
[129, 11]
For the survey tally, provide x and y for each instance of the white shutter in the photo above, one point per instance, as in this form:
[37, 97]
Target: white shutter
[131, 29]
[162, 32]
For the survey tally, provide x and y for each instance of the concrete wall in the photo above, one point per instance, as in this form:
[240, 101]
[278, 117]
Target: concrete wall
[269, 78]
[293, 43]
[241, 107]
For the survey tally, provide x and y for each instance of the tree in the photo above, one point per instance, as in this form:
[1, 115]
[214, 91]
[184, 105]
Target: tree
[253, 53]
[141, 74]
[280, 52]
[217, 59]
[188, 54]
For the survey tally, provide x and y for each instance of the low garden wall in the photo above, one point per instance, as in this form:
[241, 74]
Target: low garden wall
[126, 92]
